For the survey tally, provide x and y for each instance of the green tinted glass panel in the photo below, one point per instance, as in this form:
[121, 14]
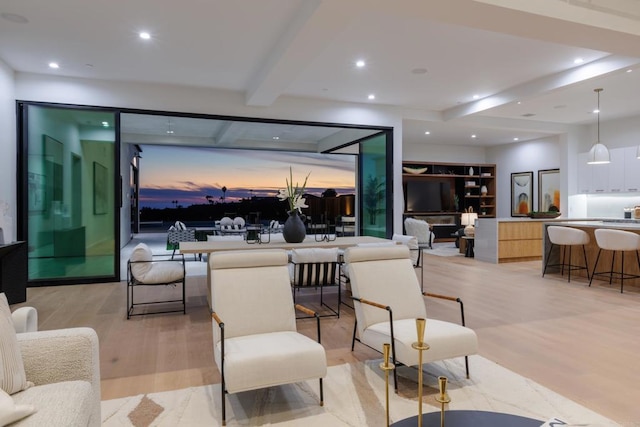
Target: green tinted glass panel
[373, 186]
[70, 193]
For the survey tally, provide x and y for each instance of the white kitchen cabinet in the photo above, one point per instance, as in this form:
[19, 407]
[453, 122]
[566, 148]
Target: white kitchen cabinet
[616, 183]
[631, 170]
[584, 174]
[599, 178]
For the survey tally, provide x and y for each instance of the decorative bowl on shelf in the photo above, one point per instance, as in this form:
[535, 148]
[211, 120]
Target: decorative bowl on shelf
[415, 171]
[543, 214]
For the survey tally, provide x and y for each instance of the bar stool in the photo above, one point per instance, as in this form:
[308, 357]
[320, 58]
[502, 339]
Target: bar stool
[616, 240]
[563, 237]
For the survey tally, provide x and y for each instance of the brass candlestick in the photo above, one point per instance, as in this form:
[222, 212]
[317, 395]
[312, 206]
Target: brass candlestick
[420, 346]
[443, 397]
[386, 367]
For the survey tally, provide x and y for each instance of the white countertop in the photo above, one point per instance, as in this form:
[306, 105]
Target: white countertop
[628, 224]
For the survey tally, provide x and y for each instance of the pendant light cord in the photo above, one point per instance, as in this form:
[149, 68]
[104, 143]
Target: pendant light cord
[598, 92]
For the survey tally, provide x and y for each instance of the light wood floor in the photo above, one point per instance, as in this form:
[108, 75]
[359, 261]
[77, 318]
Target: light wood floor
[580, 342]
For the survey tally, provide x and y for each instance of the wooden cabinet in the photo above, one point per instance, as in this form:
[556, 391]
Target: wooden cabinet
[473, 185]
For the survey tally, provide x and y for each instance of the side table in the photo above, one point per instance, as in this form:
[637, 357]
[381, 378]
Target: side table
[469, 241]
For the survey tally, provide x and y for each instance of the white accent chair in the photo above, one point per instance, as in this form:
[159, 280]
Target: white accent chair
[255, 342]
[417, 258]
[145, 269]
[232, 226]
[387, 301]
[421, 230]
[64, 366]
[214, 238]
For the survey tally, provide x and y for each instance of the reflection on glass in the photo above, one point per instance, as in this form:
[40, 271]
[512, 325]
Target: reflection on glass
[67, 238]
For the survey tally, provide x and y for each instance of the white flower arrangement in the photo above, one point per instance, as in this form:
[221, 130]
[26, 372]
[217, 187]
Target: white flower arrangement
[294, 194]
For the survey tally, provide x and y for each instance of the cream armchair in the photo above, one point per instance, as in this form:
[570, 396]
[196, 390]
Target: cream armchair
[387, 300]
[255, 342]
[64, 366]
[421, 230]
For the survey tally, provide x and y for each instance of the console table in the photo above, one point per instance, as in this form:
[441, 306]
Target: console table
[13, 271]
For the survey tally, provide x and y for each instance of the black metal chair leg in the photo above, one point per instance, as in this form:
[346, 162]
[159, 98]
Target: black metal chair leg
[547, 262]
[586, 266]
[353, 340]
[466, 365]
[595, 267]
[569, 266]
[613, 259]
[622, 273]
[321, 394]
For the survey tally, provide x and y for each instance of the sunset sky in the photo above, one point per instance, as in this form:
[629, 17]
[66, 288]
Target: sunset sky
[190, 174]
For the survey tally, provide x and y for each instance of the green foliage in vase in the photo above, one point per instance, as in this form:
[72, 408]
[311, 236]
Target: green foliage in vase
[373, 194]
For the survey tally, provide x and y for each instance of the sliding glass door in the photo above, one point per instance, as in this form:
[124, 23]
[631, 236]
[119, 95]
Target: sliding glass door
[68, 208]
[375, 176]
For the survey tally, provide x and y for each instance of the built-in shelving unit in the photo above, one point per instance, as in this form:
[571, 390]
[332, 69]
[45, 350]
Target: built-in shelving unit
[473, 184]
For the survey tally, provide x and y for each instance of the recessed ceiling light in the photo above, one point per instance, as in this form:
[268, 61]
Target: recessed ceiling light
[15, 18]
[629, 70]
[54, 65]
[372, 96]
[105, 124]
[474, 136]
[476, 96]
[360, 63]
[596, 111]
[519, 102]
[516, 139]
[427, 133]
[170, 132]
[144, 35]
[578, 61]
[275, 137]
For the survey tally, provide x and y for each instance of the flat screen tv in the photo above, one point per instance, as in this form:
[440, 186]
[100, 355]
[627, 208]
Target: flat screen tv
[428, 196]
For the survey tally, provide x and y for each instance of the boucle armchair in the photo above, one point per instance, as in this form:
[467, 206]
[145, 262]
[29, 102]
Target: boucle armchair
[64, 367]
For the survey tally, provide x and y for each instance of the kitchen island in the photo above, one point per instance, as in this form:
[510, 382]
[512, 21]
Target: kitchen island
[499, 240]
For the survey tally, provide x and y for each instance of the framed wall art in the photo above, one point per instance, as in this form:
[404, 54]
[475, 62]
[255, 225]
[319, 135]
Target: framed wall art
[549, 190]
[521, 193]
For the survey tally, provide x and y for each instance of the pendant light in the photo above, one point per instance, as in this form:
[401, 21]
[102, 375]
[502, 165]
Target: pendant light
[599, 153]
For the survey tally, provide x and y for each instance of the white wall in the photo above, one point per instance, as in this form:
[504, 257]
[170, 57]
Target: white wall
[415, 151]
[8, 146]
[524, 157]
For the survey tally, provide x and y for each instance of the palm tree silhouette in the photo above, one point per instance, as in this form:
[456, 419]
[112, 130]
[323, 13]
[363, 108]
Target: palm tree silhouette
[224, 192]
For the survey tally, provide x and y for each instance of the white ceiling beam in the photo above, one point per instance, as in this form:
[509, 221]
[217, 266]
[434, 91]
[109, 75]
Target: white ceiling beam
[317, 23]
[542, 85]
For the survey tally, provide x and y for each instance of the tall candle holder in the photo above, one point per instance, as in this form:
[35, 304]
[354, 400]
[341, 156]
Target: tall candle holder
[443, 397]
[421, 346]
[386, 367]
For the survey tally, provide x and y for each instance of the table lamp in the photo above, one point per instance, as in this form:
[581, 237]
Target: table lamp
[468, 219]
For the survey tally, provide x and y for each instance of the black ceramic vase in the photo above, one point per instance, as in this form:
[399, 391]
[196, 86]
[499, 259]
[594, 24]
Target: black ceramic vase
[294, 230]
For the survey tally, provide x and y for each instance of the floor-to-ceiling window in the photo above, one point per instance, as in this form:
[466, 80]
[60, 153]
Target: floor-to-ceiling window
[67, 203]
[375, 177]
[75, 191]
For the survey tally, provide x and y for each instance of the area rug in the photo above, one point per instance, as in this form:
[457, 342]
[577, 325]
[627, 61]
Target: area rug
[354, 396]
[444, 249]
